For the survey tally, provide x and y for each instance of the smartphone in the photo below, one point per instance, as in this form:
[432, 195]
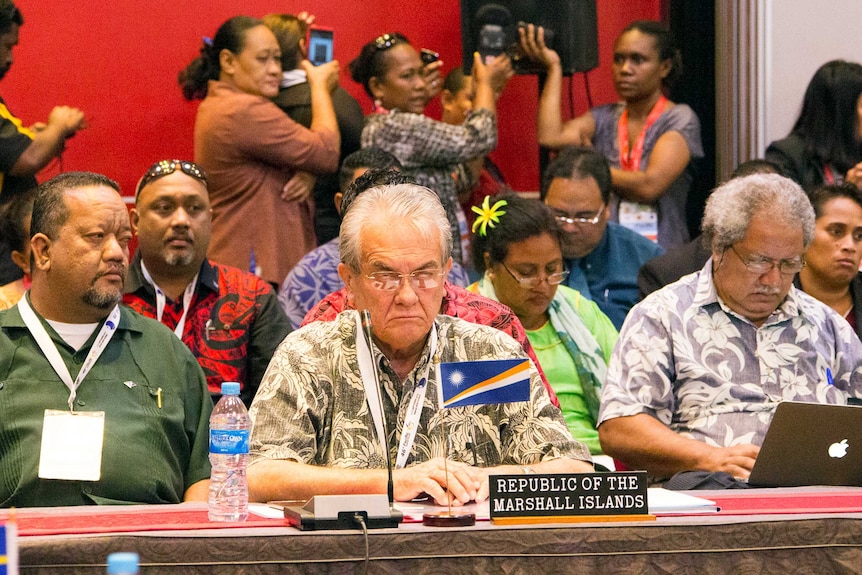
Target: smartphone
[428, 56]
[319, 43]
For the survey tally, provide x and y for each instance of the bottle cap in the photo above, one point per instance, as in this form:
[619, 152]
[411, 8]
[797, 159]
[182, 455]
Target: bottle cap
[229, 388]
[122, 563]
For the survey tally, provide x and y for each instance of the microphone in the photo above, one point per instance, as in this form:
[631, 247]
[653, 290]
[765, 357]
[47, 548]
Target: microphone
[365, 317]
[351, 511]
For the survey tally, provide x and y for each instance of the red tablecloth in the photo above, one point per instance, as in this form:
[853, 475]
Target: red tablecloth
[82, 520]
[77, 520]
[767, 501]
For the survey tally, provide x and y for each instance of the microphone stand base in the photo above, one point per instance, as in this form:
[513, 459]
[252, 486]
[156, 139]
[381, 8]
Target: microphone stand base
[340, 511]
[448, 519]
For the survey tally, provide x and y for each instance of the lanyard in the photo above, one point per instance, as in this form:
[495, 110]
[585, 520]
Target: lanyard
[372, 393]
[828, 174]
[161, 299]
[49, 349]
[631, 162]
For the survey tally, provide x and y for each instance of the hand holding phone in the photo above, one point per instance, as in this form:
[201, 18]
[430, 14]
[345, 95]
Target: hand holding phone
[323, 75]
[431, 72]
[319, 45]
[429, 56]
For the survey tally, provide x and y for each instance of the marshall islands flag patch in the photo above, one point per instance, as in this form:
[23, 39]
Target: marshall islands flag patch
[484, 382]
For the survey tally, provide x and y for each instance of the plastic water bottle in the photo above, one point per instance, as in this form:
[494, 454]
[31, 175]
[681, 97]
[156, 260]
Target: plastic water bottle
[123, 564]
[229, 431]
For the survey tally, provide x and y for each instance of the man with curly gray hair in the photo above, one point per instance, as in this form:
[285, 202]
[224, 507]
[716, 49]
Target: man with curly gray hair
[701, 364]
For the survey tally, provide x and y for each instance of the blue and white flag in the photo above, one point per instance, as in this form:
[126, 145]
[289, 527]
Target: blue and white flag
[484, 382]
[8, 549]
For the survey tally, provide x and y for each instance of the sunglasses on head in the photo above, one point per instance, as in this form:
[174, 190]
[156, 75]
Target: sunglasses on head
[168, 167]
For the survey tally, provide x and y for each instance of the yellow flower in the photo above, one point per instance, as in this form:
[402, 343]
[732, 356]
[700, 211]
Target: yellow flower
[487, 215]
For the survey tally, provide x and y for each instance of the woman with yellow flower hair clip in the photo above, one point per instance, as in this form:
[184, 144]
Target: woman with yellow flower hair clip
[516, 246]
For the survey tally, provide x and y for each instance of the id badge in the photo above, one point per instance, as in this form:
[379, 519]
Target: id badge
[641, 218]
[72, 445]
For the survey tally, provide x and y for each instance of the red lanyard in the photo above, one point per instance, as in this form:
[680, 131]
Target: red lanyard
[827, 174]
[631, 162]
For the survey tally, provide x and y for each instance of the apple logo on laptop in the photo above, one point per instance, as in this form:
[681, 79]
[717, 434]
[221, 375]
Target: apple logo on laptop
[838, 450]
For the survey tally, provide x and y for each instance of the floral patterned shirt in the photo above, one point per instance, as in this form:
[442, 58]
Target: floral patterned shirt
[709, 374]
[311, 405]
[457, 302]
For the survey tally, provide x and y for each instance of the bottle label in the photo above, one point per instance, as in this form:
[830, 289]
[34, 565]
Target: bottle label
[229, 441]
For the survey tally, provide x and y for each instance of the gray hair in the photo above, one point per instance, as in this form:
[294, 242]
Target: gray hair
[733, 205]
[408, 203]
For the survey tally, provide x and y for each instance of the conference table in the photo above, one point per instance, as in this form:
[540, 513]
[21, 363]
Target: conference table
[799, 530]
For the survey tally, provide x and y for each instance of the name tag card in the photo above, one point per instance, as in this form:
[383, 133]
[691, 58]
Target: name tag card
[641, 218]
[72, 445]
[569, 497]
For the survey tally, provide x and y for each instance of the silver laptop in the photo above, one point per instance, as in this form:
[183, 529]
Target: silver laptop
[811, 444]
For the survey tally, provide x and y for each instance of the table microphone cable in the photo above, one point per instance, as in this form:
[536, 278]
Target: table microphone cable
[359, 519]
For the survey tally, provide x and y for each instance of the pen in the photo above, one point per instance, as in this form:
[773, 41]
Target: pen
[159, 397]
[829, 379]
[471, 445]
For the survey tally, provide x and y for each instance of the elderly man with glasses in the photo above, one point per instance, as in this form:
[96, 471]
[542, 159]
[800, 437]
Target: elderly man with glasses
[314, 429]
[603, 257]
[701, 364]
[230, 319]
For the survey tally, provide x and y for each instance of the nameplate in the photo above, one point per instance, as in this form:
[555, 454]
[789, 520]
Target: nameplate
[568, 495]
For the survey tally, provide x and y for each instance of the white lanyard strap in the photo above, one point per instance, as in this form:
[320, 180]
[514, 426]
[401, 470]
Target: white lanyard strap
[411, 420]
[49, 349]
[372, 393]
[161, 299]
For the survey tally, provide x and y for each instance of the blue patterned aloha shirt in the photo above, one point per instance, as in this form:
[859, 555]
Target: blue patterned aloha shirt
[686, 359]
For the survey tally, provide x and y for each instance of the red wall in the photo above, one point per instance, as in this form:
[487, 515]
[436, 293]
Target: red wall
[118, 61]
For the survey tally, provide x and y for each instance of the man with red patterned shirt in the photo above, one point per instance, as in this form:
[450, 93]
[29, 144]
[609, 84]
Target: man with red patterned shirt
[230, 319]
[457, 302]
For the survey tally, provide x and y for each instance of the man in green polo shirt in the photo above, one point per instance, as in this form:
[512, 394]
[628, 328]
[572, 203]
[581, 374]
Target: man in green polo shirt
[98, 404]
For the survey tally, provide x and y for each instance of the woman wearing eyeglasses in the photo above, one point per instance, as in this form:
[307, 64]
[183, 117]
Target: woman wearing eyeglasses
[649, 141]
[516, 246]
[434, 153]
[250, 149]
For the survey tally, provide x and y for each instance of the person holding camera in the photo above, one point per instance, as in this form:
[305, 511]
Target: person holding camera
[649, 141]
[436, 154]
